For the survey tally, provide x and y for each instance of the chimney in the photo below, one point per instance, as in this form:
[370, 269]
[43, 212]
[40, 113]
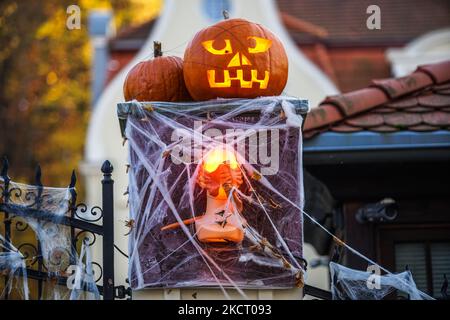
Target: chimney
[101, 28]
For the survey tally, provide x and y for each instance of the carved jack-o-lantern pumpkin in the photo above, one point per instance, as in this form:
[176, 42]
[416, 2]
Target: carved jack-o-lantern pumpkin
[235, 59]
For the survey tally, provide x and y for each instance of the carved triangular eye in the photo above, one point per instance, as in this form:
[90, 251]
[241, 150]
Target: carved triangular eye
[208, 45]
[261, 45]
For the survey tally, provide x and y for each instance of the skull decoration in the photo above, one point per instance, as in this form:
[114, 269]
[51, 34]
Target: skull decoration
[235, 59]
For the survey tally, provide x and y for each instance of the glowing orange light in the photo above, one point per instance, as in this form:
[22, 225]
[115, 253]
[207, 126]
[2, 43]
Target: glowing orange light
[213, 226]
[239, 59]
[261, 45]
[219, 156]
[226, 83]
[221, 221]
[245, 61]
[236, 61]
[208, 45]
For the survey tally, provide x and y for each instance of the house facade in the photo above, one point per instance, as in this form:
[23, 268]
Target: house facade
[382, 155]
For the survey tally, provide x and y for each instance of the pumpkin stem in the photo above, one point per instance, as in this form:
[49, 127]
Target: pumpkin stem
[157, 52]
[226, 15]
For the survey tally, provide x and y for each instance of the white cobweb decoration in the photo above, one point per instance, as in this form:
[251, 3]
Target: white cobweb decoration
[13, 267]
[166, 188]
[57, 250]
[167, 193]
[83, 286]
[54, 237]
[351, 284]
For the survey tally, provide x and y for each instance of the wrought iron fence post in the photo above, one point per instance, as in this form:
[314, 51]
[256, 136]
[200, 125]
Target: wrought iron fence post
[5, 198]
[108, 235]
[34, 208]
[6, 194]
[73, 211]
[38, 204]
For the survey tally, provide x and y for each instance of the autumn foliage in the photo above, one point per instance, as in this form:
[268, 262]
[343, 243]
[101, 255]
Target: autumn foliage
[45, 78]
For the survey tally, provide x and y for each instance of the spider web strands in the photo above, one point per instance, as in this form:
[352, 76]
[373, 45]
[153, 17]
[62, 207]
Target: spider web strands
[339, 241]
[350, 283]
[54, 244]
[168, 256]
[11, 258]
[164, 115]
[206, 258]
[151, 156]
[199, 139]
[47, 211]
[241, 160]
[280, 238]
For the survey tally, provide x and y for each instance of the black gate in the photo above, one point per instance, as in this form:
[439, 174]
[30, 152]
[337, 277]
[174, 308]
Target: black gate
[79, 226]
[100, 222]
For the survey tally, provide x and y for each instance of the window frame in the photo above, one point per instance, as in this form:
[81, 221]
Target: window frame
[390, 235]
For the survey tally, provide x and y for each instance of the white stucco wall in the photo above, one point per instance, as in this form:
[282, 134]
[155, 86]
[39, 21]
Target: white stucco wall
[431, 47]
[176, 26]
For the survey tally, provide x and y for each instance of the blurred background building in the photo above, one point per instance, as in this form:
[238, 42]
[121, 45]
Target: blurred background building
[330, 50]
[378, 127]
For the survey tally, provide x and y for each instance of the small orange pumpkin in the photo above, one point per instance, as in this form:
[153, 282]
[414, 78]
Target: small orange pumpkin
[158, 79]
[235, 58]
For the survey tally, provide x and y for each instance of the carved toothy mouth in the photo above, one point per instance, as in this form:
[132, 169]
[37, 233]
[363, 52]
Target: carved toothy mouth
[226, 83]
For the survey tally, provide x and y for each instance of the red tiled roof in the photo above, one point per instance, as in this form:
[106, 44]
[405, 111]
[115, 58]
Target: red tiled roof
[333, 34]
[132, 38]
[300, 25]
[345, 20]
[417, 102]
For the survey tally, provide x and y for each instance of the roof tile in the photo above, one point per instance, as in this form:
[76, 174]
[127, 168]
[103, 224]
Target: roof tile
[444, 91]
[440, 72]
[404, 103]
[357, 101]
[423, 128]
[384, 128]
[435, 100]
[344, 128]
[318, 117]
[411, 103]
[437, 118]
[441, 87]
[397, 87]
[366, 121]
[310, 133]
[385, 110]
[418, 109]
[402, 119]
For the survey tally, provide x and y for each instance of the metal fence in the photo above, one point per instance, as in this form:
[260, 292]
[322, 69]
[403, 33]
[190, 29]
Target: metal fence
[95, 221]
[99, 223]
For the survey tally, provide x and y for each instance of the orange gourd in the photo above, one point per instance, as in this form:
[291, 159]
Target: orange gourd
[158, 79]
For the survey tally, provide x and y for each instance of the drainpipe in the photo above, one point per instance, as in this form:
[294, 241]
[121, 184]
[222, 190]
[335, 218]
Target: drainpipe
[101, 28]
